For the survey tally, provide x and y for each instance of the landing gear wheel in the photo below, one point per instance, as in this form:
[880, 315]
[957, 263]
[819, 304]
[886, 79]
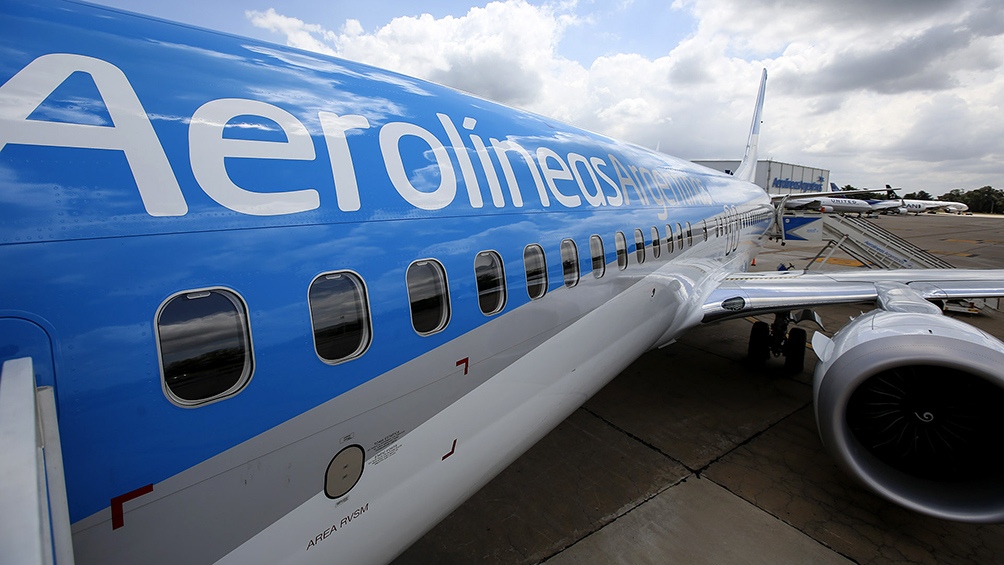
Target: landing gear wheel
[794, 351]
[759, 346]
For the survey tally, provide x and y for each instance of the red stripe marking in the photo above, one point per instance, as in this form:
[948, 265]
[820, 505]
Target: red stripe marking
[118, 516]
[466, 362]
[452, 450]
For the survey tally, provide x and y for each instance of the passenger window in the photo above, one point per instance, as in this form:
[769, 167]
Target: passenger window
[704, 224]
[570, 262]
[429, 296]
[669, 237]
[599, 259]
[536, 271]
[339, 314]
[204, 341]
[690, 235]
[679, 236]
[639, 246]
[491, 282]
[656, 243]
[620, 242]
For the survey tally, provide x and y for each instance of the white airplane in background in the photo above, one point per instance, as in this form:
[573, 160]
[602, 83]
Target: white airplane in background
[828, 204]
[261, 305]
[874, 205]
[909, 206]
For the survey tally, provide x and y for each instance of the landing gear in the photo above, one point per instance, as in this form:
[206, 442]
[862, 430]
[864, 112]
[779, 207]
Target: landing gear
[775, 340]
[794, 351]
[759, 346]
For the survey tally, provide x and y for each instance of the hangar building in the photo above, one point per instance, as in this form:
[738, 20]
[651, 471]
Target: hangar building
[779, 178]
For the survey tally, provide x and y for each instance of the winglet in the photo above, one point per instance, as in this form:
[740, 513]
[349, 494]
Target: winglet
[747, 169]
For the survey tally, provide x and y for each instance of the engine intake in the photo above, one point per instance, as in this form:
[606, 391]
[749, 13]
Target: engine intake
[912, 405]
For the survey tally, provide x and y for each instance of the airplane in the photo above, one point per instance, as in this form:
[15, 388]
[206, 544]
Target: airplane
[874, 205]
[262, 305]
[828, 204]
[955, 207]
[917, 207]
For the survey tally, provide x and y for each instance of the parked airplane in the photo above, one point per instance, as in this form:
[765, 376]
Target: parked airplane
[827, 204]
[908, 206]
[874, 205]
[260, 305]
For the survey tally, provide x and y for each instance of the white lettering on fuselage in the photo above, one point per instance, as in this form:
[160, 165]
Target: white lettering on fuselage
[209, 150]
[569, 179]
[334, 527]
[132, 133]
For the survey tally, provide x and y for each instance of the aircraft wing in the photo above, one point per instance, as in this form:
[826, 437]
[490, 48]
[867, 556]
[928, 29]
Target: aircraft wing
[885, 204]
[745, 294]
[828, 194]
[802, 204]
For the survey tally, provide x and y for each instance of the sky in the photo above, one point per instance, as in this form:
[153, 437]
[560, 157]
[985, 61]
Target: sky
[900, 92]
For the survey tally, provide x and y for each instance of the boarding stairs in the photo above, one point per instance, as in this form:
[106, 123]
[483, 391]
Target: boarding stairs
[875, 247]
[34, 516]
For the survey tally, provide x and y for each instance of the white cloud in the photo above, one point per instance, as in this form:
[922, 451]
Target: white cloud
[898, 91]
[311, 37]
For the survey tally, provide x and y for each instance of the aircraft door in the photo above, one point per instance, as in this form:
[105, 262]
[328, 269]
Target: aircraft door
[730, 230]
[24, 338]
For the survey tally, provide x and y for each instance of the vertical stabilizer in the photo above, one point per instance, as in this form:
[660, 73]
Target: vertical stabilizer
[747, 169]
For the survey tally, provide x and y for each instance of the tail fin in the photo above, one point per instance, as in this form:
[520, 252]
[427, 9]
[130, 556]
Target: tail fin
[834, 187]
[890, 193]
[747, 169]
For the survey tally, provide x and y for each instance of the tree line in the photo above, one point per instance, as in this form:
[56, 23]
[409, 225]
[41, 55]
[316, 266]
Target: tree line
[985, 200]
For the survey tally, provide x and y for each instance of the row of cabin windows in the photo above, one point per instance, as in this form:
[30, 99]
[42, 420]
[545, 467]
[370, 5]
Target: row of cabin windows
[204, 336]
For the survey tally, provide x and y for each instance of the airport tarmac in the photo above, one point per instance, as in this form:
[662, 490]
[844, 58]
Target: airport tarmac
[689, 456]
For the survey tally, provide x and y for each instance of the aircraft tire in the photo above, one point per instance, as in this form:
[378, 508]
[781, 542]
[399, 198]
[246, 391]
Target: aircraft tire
[794, 351]
[759, 345]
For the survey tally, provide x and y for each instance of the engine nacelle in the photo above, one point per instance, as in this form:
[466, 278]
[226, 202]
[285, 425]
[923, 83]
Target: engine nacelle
[912, 405]
[826, 209]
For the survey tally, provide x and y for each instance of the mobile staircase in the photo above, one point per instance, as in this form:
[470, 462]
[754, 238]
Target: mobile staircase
[875, 247]
[34, 517]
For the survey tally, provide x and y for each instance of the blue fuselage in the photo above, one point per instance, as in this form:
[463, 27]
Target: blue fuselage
[141, 159]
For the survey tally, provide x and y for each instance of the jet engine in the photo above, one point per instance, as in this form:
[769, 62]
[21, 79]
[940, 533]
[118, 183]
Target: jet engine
[911, 403]
[826, 209]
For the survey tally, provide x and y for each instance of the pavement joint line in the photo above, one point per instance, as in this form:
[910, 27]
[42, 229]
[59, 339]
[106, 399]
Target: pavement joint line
[697, 474]
[634, 507]
[638, 439]
[780, 519]
[751, 438]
